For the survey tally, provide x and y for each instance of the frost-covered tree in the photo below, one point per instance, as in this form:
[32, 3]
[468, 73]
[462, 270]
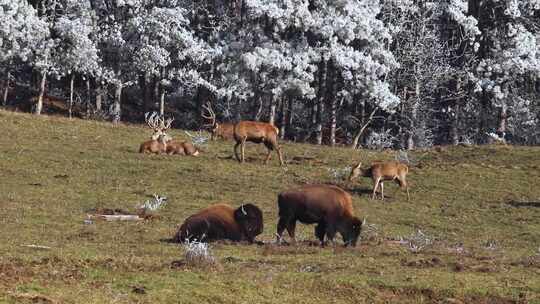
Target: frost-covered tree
[506, 59]
[23, 37]
[75, 32]
[331, 52]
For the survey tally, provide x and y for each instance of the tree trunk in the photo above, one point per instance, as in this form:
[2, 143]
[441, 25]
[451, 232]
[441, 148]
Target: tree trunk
[6, 89]
[88, 96]
[320, 102]
[414, 115]
[283, 117]
[272, 118]
[503, 120]
[71, 83]
[39, 105]
[363, 128]
[290, 116]
[156, 98]
[117, 110]
[333, 121]
[99, 97]
[454, 130]
[162, 103]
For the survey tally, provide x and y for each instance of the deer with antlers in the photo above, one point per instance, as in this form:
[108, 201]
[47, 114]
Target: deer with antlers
[217, 130]
[381, 171]
[159, 140]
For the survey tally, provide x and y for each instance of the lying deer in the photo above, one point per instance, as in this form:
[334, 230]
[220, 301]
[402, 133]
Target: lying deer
[159, 140]
[256, 132]
[218, 130]
[381, 171]
[181, 148]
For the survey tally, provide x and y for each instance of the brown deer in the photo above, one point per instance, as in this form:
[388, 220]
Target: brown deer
[218, 130]
[256, 132]
[181, 148]
[381, 171]
[159, 139]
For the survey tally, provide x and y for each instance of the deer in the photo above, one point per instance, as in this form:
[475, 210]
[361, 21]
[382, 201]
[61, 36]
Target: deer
[256, 132]
[159, 140]
[381, 171]
[217, 130]
[181, 148]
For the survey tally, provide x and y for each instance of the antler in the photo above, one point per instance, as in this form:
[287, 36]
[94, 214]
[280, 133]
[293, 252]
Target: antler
[211, 116]
[158, 123]
[152, 120]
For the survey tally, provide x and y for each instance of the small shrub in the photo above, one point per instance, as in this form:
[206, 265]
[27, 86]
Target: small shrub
[153, 204]
[198, 254]
[417, 242]
[339, 174]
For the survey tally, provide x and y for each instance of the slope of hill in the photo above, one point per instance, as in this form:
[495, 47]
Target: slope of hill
[479, 207]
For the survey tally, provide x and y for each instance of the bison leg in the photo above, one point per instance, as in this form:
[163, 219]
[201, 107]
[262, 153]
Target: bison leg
[291, 228]
[331, 233]
[320, 231]
[282, 224]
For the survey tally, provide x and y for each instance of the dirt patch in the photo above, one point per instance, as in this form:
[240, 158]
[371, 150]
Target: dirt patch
[413, 294]
[33, 298]
[530, 261]
[423, 263]
[272, 249]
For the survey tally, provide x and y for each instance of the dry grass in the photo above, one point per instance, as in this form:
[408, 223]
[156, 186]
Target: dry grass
[479, 205]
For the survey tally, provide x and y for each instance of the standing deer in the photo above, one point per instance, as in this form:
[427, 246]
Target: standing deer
[159, 139]
[381, 171]
[256, 132]
[218, 130]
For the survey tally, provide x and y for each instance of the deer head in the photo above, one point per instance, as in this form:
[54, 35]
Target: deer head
[159, 125]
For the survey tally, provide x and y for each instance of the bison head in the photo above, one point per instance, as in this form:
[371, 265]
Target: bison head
[352, 232]
[249, 218]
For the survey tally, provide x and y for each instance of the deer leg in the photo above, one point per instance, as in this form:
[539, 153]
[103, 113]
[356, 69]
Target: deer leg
[375, 187]
[404, 184]
[243, 149]
[236, 150]
[269, 146]
[382, 190]
[278, 150]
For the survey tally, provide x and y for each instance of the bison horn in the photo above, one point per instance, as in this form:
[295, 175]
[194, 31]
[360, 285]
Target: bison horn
[243, 211]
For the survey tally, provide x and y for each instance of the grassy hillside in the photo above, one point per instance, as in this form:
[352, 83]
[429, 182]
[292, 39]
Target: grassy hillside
[480, 205]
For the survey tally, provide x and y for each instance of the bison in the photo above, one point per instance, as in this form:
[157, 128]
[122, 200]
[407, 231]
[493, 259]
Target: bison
[221, 221]
[330, 207]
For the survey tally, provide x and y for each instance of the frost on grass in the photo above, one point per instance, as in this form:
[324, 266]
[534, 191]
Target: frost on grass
[153, 204]
[338, 174]
[369, 231]
[416, 242]
[198, 139]
[198, 254]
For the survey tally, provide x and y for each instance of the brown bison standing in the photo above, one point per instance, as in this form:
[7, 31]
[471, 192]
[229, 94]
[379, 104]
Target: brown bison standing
[221, 221]
[328, 206]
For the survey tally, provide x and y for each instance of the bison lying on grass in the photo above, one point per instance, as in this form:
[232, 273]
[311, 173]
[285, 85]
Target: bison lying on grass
[221, 221]
[328, 206]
